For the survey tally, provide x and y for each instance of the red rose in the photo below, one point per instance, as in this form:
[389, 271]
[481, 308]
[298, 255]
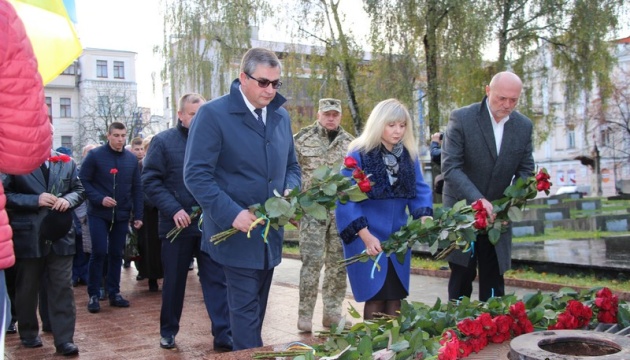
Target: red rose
[470, 327]
[478, 343]
[607, 317]
[477, 206]
[489, 327]
[503, 322]
[113, 171]
[542, 176]
[480, 222]
[604, 292]
[350, 162]
[365, 186]
[543, 185]
[518, 310]
[358, 175]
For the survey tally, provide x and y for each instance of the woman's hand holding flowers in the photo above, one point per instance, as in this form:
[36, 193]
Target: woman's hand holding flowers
[372, 244]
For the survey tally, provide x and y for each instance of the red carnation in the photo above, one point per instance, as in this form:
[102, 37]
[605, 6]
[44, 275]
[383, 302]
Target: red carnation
[53, 159]
[113, 171]
[64, 158]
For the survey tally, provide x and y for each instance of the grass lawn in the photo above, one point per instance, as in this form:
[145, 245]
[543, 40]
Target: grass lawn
[581, 279]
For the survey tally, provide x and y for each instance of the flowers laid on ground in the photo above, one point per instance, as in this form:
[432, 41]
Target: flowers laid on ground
[63, 158]
[454, 330]
[327, 186]
[195, 213]
[113, 171]
[457, 227]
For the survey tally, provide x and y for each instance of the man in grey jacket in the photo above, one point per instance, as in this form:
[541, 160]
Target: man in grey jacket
[486, 146]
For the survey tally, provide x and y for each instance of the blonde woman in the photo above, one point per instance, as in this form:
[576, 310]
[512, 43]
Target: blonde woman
[387, 151]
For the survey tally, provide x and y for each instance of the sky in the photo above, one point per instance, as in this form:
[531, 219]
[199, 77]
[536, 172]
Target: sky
[136, 25]
[132, 25]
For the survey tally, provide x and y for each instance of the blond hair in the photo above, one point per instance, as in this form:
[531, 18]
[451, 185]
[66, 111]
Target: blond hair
[386, 112]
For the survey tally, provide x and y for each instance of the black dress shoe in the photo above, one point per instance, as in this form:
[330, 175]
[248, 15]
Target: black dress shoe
[222, 347]
[67, 349]
[153, 285]
[32, 343]
[12, 329]
[167, 342]
[118, 301]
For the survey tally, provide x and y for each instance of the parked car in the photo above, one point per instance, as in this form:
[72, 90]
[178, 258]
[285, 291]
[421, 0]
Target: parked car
[574, 189]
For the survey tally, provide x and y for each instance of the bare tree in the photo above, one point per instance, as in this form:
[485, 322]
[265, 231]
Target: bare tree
[113, 103]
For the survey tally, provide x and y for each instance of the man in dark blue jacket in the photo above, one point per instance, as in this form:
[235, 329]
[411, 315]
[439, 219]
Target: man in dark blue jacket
[111, 178]
[163, 181]
[239, 151]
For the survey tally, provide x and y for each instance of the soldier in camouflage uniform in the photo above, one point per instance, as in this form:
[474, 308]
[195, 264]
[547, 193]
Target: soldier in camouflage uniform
[323, 143]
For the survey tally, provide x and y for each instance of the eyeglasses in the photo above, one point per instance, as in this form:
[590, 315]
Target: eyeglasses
[264, 82]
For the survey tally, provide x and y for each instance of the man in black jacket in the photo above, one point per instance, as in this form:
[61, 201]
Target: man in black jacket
[111, 178]
[163, 181]
[40, 208]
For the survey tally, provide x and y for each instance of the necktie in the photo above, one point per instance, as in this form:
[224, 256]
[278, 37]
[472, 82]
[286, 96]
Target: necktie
[259, 117]
[44, 169]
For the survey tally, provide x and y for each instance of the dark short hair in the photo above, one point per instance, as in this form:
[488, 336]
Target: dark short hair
[259, 56]
[116, 125]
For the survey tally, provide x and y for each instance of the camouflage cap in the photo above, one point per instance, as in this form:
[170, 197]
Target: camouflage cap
[329, 104]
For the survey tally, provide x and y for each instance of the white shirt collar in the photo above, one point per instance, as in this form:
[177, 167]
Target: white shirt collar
[252, 107]
[497, 128]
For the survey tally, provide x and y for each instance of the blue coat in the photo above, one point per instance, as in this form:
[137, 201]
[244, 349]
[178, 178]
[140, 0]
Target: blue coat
[99, 182]
[163, 179]
[385, 211]
[230, 164]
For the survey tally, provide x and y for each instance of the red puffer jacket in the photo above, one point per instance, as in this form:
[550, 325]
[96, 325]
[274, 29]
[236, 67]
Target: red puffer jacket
[24, 126]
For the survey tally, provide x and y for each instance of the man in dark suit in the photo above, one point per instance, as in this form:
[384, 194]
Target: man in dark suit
[163, 181]
[239, 150]
[40, 211]
[486, 145]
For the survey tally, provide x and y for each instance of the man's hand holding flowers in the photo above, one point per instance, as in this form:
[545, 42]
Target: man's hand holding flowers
[182, 219]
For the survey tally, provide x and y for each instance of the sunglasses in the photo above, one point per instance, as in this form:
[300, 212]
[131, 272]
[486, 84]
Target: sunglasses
[264, 82]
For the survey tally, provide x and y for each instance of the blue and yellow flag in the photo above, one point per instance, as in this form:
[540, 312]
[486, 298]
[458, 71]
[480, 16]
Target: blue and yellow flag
[51, 31]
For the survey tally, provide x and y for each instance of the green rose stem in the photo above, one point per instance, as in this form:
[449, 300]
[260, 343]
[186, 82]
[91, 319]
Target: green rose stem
[453, 228]
[174, 232]
[326, 188]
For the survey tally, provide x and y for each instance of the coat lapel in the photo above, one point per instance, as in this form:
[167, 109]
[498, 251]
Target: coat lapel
[484, 121]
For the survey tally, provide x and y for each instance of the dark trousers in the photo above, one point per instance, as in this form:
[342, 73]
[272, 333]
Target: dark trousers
[106, 246]
[490, 280]
[248, 292]
[57, 281]
[176, 257]
[80, 261]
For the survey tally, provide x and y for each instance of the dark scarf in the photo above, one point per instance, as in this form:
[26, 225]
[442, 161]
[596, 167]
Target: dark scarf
[403, 187]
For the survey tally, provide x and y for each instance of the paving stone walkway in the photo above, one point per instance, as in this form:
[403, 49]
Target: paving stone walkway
[133, 333]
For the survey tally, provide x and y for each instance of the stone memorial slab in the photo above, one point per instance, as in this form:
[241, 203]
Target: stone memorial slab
[617, 225]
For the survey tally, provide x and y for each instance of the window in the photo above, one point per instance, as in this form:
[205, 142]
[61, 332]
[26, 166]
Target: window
[571, 139]
[168, 102]
[64, 108]
[101, 68]
[70, 70]
[49, 105]
[66, 141]
[119, 70]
